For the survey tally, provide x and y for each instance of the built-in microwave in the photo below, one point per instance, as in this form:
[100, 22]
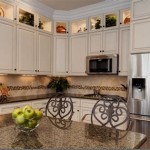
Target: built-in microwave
[102, 64]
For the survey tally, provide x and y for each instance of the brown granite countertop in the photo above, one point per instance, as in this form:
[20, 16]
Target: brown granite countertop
[78, 135]
[43, 96]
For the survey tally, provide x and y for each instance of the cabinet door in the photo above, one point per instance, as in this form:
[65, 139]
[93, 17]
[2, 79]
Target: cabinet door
[44, 55]
[140, 9]
[7, 50]
[140, 36]
[76, 114]
[78, 53]
[124, 51]
[60, 55]
[110, 41]
[26, 42]
[95, 43]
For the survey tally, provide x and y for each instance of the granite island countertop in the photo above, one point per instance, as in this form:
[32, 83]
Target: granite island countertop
[44, 96]
[79, 135]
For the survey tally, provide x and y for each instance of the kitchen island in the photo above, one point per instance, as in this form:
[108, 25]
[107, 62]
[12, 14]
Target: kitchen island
[78, 135]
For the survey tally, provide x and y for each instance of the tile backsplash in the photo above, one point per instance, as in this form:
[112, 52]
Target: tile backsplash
[107, 84]
[32, 85]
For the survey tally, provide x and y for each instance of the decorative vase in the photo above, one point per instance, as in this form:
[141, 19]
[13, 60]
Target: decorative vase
[59, 89]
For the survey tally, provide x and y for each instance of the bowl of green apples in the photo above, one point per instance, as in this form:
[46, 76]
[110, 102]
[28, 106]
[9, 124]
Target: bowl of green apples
[26, 118]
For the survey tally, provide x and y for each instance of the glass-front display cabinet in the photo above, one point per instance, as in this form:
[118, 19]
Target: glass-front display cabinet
[125, 16]
[111, 20]
[61, 27]
[6, 11]
[44, 24]
[26, 17]
[79, 26]
[95, 23]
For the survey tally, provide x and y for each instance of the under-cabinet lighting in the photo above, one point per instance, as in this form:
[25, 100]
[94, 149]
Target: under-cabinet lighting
[28, 75]
[3, 74]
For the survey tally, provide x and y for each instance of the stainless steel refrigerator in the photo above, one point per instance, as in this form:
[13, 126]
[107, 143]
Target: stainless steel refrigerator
[139, 93]
[139, 84]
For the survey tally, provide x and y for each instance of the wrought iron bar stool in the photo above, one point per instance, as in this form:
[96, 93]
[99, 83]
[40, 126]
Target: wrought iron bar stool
[59, 110]
[112, 113]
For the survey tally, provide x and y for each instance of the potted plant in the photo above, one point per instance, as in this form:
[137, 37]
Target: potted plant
[59, 84]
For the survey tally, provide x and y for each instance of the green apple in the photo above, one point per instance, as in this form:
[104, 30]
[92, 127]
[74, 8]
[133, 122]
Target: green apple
[32, 123]
[29, 113]
[38, 113]
[25, 107]
[20, 120]
[16, 112]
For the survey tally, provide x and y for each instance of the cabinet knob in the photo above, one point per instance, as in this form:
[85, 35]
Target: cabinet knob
[35, 70]
[100, 51]
[66, 71]
[15, 19]
[67, 32]
[15, 69]
[120, 22]
[77, 110]
[38, 70]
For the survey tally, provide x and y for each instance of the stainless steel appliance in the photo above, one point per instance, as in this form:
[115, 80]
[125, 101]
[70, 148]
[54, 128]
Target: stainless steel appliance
[139, 84]
[102, 64]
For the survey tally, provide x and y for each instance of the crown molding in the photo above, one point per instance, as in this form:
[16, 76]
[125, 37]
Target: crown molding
[99, 8]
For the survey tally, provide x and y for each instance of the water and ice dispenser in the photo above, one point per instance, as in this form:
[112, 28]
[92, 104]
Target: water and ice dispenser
[138, 88]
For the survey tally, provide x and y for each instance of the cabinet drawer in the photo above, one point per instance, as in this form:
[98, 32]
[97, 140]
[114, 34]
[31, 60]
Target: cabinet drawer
[76, 102]
[8, 108]
[39, 103]
[88, 103]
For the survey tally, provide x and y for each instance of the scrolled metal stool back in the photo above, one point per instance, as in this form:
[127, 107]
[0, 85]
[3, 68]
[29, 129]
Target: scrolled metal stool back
[59, 110]
[111, 113]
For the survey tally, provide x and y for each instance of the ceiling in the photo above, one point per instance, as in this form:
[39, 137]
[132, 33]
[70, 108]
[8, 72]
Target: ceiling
[68, 4]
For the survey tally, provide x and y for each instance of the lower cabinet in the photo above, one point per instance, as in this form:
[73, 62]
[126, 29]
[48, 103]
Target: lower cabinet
[8, 108]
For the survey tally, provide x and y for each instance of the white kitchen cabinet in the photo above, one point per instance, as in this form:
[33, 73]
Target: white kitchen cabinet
[140, 9]
[86, 108]
[8, 108]
[60, 58]
[76, 109]
[140, 36]
[124, 49]
[125, 17]
[98, 42]
[79, 26]
[60, 27]
[26, 50]
[110, 42]
[44, 53]
[78, 53]
[8, 47]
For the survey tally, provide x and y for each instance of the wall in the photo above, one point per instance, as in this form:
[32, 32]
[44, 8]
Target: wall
[107, 84]
[25, 85]
[32, 85]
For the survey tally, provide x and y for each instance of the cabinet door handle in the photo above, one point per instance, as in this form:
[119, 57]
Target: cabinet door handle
[15, 69]
[38, 70]
[100, 51]
[120, 22]
[35, 70]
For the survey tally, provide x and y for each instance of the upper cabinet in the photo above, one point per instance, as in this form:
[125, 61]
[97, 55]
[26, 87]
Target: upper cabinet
[26, 17]
[61, 27]
[44, 24]
[78, 26]
[31, 19]
[140, 9]
[7, 11]
[125, 17]
[95, 23]
[111, 20]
